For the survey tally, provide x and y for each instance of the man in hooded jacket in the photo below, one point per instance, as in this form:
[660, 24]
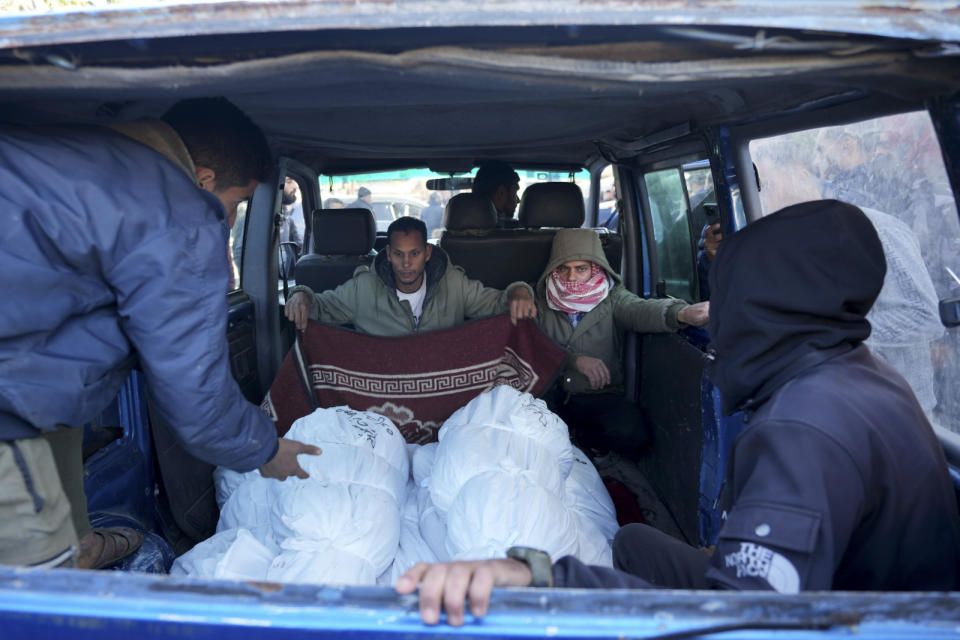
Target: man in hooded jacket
[583, 306]
[115, 250]
[411, 287]
[837, 480]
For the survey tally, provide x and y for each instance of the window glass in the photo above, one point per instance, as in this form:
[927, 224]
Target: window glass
[236, 244]
[393, 194]
[671, 232]
[291, 231]
[892, 169]
[607, 214]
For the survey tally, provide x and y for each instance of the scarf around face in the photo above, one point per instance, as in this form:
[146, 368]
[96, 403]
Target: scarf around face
[577, 297]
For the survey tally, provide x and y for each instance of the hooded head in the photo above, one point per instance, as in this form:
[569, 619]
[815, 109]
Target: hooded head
[576, 244]
[789, 291]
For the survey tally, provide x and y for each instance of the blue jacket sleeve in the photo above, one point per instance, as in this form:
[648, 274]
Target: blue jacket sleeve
[171, 297]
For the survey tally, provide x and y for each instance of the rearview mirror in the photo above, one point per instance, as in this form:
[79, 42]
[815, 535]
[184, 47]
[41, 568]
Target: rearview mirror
[450, 184]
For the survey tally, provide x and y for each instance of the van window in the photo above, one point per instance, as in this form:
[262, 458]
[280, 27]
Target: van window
[394, 194]
[607, 214]
[671, 232]
[891, 168]
[236, 245]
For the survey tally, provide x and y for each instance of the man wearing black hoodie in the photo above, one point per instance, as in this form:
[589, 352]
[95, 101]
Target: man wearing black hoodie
[837, 480]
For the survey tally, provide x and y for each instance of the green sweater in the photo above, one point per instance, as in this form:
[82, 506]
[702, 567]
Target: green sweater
[369, 302]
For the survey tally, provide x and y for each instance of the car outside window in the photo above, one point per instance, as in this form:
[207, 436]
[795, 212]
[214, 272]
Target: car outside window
[891, 168]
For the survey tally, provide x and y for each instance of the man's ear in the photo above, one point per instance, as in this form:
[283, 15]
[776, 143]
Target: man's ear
[429, 250]
[206, 178]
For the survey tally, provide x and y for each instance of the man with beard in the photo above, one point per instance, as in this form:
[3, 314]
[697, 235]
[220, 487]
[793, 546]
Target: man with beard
[837, 480]
[291, 210]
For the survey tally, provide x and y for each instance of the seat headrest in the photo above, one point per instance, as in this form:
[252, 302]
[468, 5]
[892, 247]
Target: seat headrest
[551, 204]
[343, 231]
[469, 211]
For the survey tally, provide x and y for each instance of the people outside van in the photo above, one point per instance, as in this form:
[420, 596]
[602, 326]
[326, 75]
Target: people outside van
[497, 181]
[291, 211]
[583, 306]
[119, 240]
[906, 317]
[411, 287]
[432, 215]
[364, 200]
[837, 480]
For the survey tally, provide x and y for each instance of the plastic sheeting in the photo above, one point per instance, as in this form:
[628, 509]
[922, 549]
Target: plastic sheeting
[504, 473]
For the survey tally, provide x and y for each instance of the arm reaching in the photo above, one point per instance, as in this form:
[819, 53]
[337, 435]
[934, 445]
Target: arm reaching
[284, 463]
[450, 584]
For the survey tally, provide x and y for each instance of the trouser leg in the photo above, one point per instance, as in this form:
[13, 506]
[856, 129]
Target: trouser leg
[661, 560]
[66, 443]
[35, 524]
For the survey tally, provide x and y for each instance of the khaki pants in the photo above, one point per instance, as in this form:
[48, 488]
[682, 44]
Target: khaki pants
[36, 528]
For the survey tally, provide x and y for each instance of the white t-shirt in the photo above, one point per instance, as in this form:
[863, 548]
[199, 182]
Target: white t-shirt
[415, 299]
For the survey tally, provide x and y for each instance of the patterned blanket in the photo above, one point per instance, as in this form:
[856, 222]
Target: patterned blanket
[417, 381]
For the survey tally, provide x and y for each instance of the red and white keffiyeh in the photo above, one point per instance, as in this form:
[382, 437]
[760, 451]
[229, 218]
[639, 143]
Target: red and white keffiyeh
[577, 297]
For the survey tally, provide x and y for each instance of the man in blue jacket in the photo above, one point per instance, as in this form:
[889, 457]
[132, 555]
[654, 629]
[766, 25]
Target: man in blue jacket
[837, 480]
[114, 247]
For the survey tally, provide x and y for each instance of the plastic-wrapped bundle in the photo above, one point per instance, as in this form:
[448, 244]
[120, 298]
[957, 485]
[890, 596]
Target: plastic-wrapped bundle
[347, 438]
[340, 526]
[585, 494]
[413, 548]
[497, 510]
[225, 481]
[358, 520]
[248, 505]
[501, 429]
[235, 554]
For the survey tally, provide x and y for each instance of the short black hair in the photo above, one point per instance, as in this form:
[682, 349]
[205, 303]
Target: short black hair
[491, 175]
[220, 136]
[407, 224]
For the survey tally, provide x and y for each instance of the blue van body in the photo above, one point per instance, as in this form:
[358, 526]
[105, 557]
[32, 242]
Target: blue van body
[137, 600]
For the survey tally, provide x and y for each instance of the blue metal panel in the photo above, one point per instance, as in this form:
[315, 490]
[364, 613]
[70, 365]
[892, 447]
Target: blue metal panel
[112, 605]
[118, 478]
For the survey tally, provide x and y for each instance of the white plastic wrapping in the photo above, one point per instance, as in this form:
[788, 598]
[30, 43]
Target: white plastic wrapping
[497, 510]
[585, 494]
[503, 474]
[500, 430]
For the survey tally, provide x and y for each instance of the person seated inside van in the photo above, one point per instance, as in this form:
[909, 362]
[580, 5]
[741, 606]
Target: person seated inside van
[582, 305]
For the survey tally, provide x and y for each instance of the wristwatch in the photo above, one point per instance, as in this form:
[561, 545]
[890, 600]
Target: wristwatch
[537, 561]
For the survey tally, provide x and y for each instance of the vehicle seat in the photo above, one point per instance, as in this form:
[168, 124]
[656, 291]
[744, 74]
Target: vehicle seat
[498, 257]
[342, 241]
[560, 204]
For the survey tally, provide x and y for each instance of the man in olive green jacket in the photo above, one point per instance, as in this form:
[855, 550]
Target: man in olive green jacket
[411, 287]
[582, 304]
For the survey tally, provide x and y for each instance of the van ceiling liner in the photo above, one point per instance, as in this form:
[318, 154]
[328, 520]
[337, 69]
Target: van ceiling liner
[340, 111]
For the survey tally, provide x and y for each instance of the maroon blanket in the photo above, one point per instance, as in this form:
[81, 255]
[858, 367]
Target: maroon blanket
[417, 381]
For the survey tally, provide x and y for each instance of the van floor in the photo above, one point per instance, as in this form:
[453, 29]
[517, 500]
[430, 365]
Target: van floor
[613, 465]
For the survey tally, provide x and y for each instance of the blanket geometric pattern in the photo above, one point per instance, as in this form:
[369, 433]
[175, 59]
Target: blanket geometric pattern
[418, 380]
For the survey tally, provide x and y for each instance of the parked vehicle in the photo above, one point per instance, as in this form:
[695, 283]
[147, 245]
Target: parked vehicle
[676, 100]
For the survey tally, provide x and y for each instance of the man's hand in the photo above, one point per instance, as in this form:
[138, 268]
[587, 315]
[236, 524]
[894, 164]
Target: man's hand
[696, 314]
[595, 370]
[285, 463]
[521, 305]
[711, 241]
[450, 583]
[297, 310]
